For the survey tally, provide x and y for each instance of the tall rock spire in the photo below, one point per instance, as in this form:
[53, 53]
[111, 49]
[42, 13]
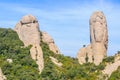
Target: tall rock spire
[98, 28]
[98, 36]
[97, 50]
[28, 31]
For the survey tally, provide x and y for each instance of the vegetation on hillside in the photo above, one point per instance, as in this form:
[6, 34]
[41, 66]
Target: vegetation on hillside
[71, 69]
[25, 68]
[115, 75]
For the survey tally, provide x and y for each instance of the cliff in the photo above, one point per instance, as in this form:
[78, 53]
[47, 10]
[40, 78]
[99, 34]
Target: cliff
[96, 51]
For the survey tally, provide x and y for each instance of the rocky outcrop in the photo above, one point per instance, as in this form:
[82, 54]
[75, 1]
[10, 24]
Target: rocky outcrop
[48, 39]
[111, 67]
[2, 77]
[55, 61]
[98, 36]
[9, 60]
[82, 55]
[85, 55]
[97, 49]
[28, 30]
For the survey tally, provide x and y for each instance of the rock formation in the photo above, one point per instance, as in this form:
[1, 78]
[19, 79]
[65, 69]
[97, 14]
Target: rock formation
[85, 54]
[28, 30]
[55, 61]
[9, 60]
[98, 36]
[48, 39]
[82, 55]
[111, 67]
[96, 51]
[2, 77]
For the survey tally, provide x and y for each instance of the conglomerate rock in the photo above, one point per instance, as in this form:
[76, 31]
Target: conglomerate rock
[2, 77]
[28, 31]
[97, 49]
[48, 39]
[111, 67]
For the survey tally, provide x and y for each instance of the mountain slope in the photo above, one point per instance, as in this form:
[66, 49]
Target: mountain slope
[23, 67]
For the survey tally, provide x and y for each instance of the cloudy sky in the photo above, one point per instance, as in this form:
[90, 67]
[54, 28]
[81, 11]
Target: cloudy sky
[67, 21]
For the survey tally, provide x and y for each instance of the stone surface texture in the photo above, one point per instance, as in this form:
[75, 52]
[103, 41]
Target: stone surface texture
[97, 49]
[111, 67]
[55, 61]
[2, 77]
[28, 31]
[49, 40]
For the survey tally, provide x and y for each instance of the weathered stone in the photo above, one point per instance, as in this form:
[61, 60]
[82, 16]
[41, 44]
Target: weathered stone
[2, 77]
[48, 39]
[99, 52]
[89, 53]
[111, 67]
[97, 49]
[55, 61]
[117, 57]
[10, 60]
[98, 36]
[81, 55]
[85, 55]
[28, 19]
[28, 31]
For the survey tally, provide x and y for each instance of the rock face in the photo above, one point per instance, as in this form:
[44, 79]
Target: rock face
[2, 77]
[85, 55]
[82, 55]
[97, 49]
[55, 61]
[48, 39]
[98, 36]
[110, 68]
[28, 30]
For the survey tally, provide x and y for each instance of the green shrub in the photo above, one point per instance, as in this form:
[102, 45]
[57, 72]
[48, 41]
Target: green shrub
[115, 75]
[25, 68]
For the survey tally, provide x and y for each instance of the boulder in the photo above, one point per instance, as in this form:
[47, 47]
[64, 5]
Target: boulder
[9, 60]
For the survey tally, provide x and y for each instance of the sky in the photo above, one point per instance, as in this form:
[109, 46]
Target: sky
[67, 21]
